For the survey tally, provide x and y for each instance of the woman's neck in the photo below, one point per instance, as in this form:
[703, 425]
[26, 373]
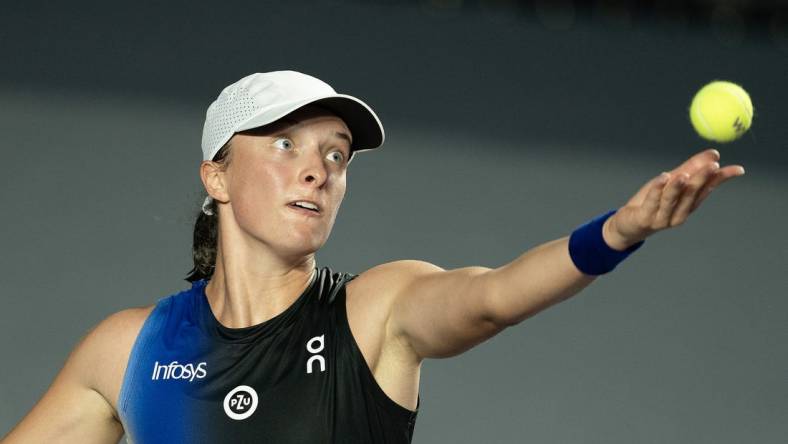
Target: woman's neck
[241, 295]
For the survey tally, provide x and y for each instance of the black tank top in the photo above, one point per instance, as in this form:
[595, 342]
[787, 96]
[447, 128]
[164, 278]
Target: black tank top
[298, 377]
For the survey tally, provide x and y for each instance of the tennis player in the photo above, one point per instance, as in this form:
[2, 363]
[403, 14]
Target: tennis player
[267, 346]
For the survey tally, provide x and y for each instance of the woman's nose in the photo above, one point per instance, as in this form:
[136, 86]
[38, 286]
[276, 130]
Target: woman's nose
[315, 170]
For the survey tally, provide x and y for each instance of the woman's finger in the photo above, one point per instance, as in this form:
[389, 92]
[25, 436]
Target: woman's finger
[670, 196]
[691, 193]
[720, 176]
[697, 162]
[650, 204]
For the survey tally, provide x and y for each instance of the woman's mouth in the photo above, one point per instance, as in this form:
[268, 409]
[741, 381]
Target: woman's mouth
[304, 211]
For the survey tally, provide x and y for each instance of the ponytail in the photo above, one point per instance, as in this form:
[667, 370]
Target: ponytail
[206, 230]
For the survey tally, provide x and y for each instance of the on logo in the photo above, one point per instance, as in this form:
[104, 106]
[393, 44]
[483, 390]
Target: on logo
[314, 346]
[241, 402]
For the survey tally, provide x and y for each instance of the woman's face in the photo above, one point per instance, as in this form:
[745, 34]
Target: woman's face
[303, 156]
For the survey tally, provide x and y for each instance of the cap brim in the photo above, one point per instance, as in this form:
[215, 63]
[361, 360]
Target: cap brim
[365, 127]
[363, 123]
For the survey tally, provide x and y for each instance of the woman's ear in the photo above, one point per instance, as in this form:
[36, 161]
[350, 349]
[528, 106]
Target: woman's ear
[214, 180]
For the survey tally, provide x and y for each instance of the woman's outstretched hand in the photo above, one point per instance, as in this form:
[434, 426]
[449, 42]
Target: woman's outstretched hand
[668, 199]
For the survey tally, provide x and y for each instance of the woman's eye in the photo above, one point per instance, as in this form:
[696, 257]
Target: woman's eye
[283, 143]
[339, 156]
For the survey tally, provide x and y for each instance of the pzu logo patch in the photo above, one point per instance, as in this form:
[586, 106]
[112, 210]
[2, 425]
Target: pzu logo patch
[241, 402]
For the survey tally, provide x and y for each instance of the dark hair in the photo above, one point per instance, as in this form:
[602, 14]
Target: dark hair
[206, 230]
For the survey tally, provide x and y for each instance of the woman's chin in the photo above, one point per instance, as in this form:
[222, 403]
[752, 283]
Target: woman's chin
[302, 246]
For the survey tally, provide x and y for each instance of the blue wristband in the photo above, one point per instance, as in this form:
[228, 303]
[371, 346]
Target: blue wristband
[589, 251]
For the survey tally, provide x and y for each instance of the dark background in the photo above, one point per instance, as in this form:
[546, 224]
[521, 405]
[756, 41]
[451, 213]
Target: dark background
[508, 125]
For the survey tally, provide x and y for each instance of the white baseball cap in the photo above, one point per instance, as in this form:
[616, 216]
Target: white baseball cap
[262, 98]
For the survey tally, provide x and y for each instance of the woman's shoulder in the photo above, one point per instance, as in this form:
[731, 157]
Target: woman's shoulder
[127, 322]
[117, 329]
[120, 328]
[371, 296]
[380, 284]
[110, 343]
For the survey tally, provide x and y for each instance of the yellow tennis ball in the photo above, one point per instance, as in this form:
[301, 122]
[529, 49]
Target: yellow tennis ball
[721, 111]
